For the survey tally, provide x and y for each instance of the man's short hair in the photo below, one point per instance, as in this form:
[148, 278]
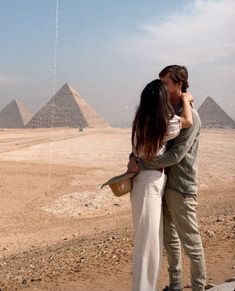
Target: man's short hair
[177, 74]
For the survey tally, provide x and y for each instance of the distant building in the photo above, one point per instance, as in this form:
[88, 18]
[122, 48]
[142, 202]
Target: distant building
[213, 116]
[67, 109]
[14, 115]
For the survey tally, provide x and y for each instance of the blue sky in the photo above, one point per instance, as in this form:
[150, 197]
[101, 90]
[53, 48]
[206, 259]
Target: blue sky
[108, 50]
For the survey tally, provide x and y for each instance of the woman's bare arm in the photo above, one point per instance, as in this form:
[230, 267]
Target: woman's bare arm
[186, 115]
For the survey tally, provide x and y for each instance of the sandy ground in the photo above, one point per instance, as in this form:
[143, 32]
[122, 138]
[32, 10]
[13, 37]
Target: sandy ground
[59, 231]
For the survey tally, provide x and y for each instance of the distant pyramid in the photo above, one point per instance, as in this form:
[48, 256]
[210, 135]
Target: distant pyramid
[67, 109]
[14, 115]
[213, 116]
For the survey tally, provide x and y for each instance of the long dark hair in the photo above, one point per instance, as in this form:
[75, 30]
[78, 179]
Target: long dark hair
[151, 119]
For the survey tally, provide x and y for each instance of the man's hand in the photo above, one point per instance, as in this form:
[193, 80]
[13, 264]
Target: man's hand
[133, 166]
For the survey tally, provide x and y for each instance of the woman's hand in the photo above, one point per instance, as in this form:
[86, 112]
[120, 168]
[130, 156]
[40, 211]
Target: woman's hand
[187, 97]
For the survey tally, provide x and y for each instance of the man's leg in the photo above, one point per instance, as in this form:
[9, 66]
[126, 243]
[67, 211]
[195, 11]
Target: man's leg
[173, 248]
[183, 212]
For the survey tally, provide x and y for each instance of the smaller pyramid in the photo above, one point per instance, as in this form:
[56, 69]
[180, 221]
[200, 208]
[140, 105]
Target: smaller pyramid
[14, 115]
[213, 116]
[67, 108]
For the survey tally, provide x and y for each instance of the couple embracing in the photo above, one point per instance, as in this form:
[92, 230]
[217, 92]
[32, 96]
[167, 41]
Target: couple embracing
[165, 138]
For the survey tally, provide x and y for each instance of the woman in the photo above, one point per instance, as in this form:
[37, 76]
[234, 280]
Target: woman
[154, 124]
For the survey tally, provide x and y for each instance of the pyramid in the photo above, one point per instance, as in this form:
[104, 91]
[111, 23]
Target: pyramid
[67, 108]
[14, 115]
[212, 115]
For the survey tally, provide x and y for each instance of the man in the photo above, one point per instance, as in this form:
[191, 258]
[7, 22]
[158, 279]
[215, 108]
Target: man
[180, 196]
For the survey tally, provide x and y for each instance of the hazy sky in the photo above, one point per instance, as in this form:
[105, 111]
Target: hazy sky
[108, 50]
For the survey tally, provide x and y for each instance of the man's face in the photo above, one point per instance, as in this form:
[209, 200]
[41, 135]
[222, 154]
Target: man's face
[174, 89]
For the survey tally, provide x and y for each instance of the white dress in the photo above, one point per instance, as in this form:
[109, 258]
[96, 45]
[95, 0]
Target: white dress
[146, 206]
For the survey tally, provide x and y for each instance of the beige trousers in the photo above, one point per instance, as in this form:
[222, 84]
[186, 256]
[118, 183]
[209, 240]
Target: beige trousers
[181, 228]
[146, 205]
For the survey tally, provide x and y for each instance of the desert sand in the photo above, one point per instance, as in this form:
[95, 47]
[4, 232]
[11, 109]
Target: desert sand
[60, 231]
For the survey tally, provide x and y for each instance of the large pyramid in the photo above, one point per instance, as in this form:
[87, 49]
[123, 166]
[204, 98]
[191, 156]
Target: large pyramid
[67, 109]
[14, 115]
[213, 116]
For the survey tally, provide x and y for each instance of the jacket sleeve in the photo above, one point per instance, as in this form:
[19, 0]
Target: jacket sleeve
[181, 145]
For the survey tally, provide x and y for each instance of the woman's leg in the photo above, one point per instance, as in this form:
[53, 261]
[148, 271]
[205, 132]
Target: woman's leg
[146, 205]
